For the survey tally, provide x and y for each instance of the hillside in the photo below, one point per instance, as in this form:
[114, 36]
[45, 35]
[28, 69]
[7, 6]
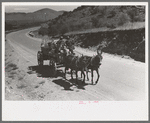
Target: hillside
[25, 19]
[122, 27]
[89, 17]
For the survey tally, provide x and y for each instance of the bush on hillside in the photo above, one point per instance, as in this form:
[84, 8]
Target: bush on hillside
[53, 30]
[102, 23]
[63, 29]
[111, 25]
[88, 25]
[111, 14]
[138, 18]
[123, 18]
[133, 13]
[95, 21]
[43, 31]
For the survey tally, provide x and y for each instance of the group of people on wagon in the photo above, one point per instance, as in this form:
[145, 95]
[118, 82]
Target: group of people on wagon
[57, 46]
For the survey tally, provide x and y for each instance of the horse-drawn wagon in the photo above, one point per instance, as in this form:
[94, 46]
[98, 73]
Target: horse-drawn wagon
[60, 52]
[52, 50]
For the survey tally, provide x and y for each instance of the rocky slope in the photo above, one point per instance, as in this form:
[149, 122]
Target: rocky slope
[89, 17]
[129, 43]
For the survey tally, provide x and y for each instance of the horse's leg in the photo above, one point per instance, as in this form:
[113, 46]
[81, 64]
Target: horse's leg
[71, 74]
[82, 72]
[65, 72]
[87, 74]
[54, 67]
[97, 75]
[92, 76]
[76, 76]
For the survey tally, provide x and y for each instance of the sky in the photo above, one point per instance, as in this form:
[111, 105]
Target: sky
[27, 9]
[58, 6]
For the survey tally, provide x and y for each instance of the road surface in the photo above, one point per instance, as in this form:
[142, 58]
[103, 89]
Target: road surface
[120, 79]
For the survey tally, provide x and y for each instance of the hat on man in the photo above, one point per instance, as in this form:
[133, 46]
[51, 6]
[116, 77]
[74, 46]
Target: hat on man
[61, 37]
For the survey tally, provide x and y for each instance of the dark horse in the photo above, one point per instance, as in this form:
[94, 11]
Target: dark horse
[93, 63]
[77, 63]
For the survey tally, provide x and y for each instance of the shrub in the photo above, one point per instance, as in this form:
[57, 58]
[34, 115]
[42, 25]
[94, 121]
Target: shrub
[111, 14]
[94, 21]
[80, 26]
[64, 29]
[71, 27]
[102, 23]
[53, 30]
[43, 31]
[132, 13]
[87, 25]
[123, 18]
[138, 18]
[111, 25]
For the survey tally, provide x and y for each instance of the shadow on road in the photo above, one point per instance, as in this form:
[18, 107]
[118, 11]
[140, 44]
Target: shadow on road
[47, 71]
[44, 71]
[67, 84]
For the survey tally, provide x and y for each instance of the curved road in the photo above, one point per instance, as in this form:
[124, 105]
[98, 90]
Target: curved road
[120, 79]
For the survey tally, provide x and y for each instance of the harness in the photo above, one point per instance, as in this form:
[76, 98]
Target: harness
[72, 59]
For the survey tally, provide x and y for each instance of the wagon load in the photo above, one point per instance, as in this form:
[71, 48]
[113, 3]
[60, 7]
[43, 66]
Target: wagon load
[44, 53]
[54, 50]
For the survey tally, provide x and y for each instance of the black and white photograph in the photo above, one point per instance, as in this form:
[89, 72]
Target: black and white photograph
[72, 56]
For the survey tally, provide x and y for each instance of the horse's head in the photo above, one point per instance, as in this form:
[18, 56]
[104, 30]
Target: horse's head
[98, 60]
[101, 47]
[99, 52]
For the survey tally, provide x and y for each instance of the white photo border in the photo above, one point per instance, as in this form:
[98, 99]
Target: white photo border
[57, 110]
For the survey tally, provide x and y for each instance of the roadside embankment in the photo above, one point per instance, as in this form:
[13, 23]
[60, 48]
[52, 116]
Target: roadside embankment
[126, 43]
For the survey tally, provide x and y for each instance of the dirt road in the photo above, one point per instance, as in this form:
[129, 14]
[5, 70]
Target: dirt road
[120, 79]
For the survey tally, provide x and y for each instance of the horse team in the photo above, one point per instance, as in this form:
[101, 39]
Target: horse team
[77, 63]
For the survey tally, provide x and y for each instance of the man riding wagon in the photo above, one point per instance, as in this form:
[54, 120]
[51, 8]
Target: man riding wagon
[61, 49]
[44, 47]
[70, 45]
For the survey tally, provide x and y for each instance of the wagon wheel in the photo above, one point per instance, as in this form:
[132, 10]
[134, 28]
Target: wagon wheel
[40, 58]
[50, 62]
[41, 62]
